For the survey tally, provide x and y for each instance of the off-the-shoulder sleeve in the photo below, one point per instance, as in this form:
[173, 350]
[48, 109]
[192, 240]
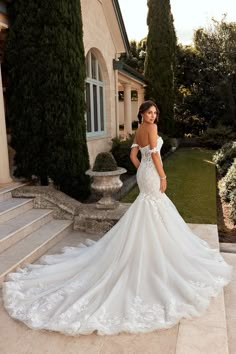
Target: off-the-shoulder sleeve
[134, 145]
[153, 150]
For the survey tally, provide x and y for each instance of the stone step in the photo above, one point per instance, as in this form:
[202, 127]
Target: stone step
[230, 308]
[22, 225]
[5, 196]
[33, 246]
[5, 190]
[10, 208]
[227, 247]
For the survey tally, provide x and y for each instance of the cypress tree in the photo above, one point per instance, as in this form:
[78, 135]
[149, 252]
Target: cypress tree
[44, 58]
[160, 61]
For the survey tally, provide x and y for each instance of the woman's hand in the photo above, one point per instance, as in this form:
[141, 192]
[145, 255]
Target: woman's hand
[163, 185]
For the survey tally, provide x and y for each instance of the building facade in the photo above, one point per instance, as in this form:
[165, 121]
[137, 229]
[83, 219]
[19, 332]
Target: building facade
[105, 39]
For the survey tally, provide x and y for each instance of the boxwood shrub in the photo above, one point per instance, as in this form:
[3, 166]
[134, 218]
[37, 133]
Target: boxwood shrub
[233, 209]
[224, 157]
[215, 138]
[228, 185]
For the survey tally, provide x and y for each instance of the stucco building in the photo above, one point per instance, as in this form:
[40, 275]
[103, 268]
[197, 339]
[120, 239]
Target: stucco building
[105, 38]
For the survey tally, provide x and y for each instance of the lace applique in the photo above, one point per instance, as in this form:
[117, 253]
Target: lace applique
[157, 204]
[140, 316]
[147, 154]
[144, 314]
[76, 309]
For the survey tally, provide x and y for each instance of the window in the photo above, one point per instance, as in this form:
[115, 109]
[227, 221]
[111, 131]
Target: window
[134, 95]
[94, 94]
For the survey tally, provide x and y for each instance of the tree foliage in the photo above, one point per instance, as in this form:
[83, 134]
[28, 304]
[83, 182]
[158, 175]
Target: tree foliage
[136, 57]
[206, 75]
[44, 58]
[160, 60]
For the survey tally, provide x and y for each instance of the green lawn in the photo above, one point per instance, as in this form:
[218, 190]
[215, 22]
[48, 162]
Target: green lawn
[191, 184]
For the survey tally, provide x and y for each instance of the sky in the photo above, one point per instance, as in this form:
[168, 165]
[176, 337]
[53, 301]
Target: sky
[188, 15]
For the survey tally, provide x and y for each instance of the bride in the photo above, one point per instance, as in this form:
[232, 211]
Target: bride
[146, 273]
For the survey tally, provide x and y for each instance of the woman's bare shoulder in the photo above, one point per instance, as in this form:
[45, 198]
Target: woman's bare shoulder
[152, 129]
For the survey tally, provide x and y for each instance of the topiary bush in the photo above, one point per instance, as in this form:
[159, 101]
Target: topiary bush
[215, 138]
[228, 185]
[104, 162]
[224, 157]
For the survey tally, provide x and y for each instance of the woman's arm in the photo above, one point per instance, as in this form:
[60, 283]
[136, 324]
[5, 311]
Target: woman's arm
[133, 156]
[152, 137]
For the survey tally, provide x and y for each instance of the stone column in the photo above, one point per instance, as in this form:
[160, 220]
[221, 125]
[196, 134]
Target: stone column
[140, 96]
[127, 109]
[4, 161]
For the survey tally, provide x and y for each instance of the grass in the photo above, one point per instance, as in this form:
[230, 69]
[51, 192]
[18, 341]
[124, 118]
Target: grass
[191, 184]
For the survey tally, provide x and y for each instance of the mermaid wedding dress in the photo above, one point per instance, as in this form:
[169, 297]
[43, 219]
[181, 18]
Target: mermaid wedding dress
[149, 271]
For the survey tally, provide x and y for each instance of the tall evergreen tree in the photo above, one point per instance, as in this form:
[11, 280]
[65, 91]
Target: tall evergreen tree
[160, 61]
[44, 58]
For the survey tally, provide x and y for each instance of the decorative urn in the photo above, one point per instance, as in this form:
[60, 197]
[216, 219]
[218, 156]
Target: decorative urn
[106, 179]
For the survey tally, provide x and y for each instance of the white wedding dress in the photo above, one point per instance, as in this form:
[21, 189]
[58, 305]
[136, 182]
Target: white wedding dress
[149, 271]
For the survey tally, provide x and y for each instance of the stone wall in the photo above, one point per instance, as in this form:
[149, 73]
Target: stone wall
[101, 36]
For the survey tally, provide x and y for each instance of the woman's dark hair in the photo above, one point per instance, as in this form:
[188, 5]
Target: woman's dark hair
[144, 107]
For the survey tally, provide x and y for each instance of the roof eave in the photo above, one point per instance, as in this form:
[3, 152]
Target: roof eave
[121, 25]
[129, 71]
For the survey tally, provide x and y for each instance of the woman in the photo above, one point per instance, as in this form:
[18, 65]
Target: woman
[146, 273]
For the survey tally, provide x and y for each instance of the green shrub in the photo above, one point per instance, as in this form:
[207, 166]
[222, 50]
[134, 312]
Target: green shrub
[166, 147]
[233, 209]
[105, 161]
[121, 151]
[224, 157]
[135, 124]
[187, 123]
[228, 185]
[190, 142]
[215, 138]
[228, 190]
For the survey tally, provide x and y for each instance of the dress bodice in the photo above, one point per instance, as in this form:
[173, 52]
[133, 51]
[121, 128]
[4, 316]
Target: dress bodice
[147, 172]
[146, 151]
[147, 147]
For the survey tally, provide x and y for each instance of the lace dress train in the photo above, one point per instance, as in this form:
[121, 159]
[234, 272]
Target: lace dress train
[146, 273]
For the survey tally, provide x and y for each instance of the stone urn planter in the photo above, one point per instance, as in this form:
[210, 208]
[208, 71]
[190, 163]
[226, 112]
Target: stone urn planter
[106, 179]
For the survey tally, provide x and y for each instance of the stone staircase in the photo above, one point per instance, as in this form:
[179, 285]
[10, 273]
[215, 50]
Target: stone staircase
[25, 233]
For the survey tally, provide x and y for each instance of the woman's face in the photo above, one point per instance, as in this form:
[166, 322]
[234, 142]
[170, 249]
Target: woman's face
[150, 115]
